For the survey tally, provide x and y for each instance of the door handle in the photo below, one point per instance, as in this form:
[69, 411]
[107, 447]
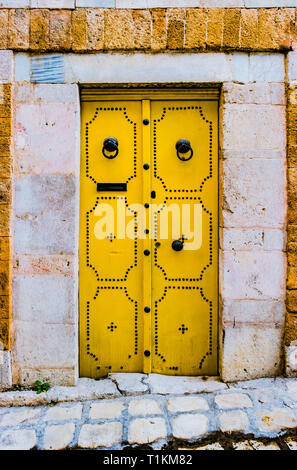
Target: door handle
[177, 245]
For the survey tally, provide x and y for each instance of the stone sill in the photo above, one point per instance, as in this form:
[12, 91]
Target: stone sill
[118, 385]
[114, 386]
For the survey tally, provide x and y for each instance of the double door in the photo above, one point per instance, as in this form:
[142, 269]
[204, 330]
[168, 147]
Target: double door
[148, 261]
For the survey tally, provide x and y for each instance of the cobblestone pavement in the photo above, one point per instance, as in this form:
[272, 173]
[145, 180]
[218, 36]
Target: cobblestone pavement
[133, 410]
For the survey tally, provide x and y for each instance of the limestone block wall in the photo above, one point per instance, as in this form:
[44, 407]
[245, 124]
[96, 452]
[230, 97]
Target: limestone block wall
[140, 4]
[252, 233]
[6, 76]
[5, 196]
[149, 29]
[291, 319]
[5, 206]
[45, 271]
[248, 46]
[252, 221]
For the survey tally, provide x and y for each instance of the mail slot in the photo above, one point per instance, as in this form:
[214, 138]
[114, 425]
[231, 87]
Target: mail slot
[111, 186]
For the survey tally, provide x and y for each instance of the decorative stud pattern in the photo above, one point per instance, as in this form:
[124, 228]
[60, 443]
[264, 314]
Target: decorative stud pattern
[111, 237]
[183, 329]
[112, 327]
[183, 195]
[178, 283]
[110, 283]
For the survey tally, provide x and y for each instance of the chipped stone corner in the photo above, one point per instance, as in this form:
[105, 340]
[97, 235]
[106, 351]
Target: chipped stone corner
[291, 359]
[5, 370]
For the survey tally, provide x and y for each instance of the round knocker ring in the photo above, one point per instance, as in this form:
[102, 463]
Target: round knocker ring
[183, 147]
[110, 144]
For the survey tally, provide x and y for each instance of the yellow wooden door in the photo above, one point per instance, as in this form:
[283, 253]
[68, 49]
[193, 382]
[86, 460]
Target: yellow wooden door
[148, 259]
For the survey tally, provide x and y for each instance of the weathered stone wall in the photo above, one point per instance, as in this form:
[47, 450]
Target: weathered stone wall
[45, 270]
[253, 144]
[5, 197]
[252, 237]
[140, 4]
[253, 218]
[291, 319]
[158, 29]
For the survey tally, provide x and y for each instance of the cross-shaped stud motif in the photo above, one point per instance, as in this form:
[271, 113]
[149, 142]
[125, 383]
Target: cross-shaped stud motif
[183, 328]
[111, 237]
[112, 326]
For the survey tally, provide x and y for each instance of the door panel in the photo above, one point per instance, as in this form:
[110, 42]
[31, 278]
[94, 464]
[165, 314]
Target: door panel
[185, 327]
[111, 328]
[185, 120]
[179, 345]
[143, 305]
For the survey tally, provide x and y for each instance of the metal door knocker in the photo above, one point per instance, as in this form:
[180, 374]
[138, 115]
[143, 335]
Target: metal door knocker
[111, 146]
[183, 147]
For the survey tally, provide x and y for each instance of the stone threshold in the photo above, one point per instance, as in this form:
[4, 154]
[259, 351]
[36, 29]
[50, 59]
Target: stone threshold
[114, 386]
[128, 384]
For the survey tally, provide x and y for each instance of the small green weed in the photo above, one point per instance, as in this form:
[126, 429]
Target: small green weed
[41, 386]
